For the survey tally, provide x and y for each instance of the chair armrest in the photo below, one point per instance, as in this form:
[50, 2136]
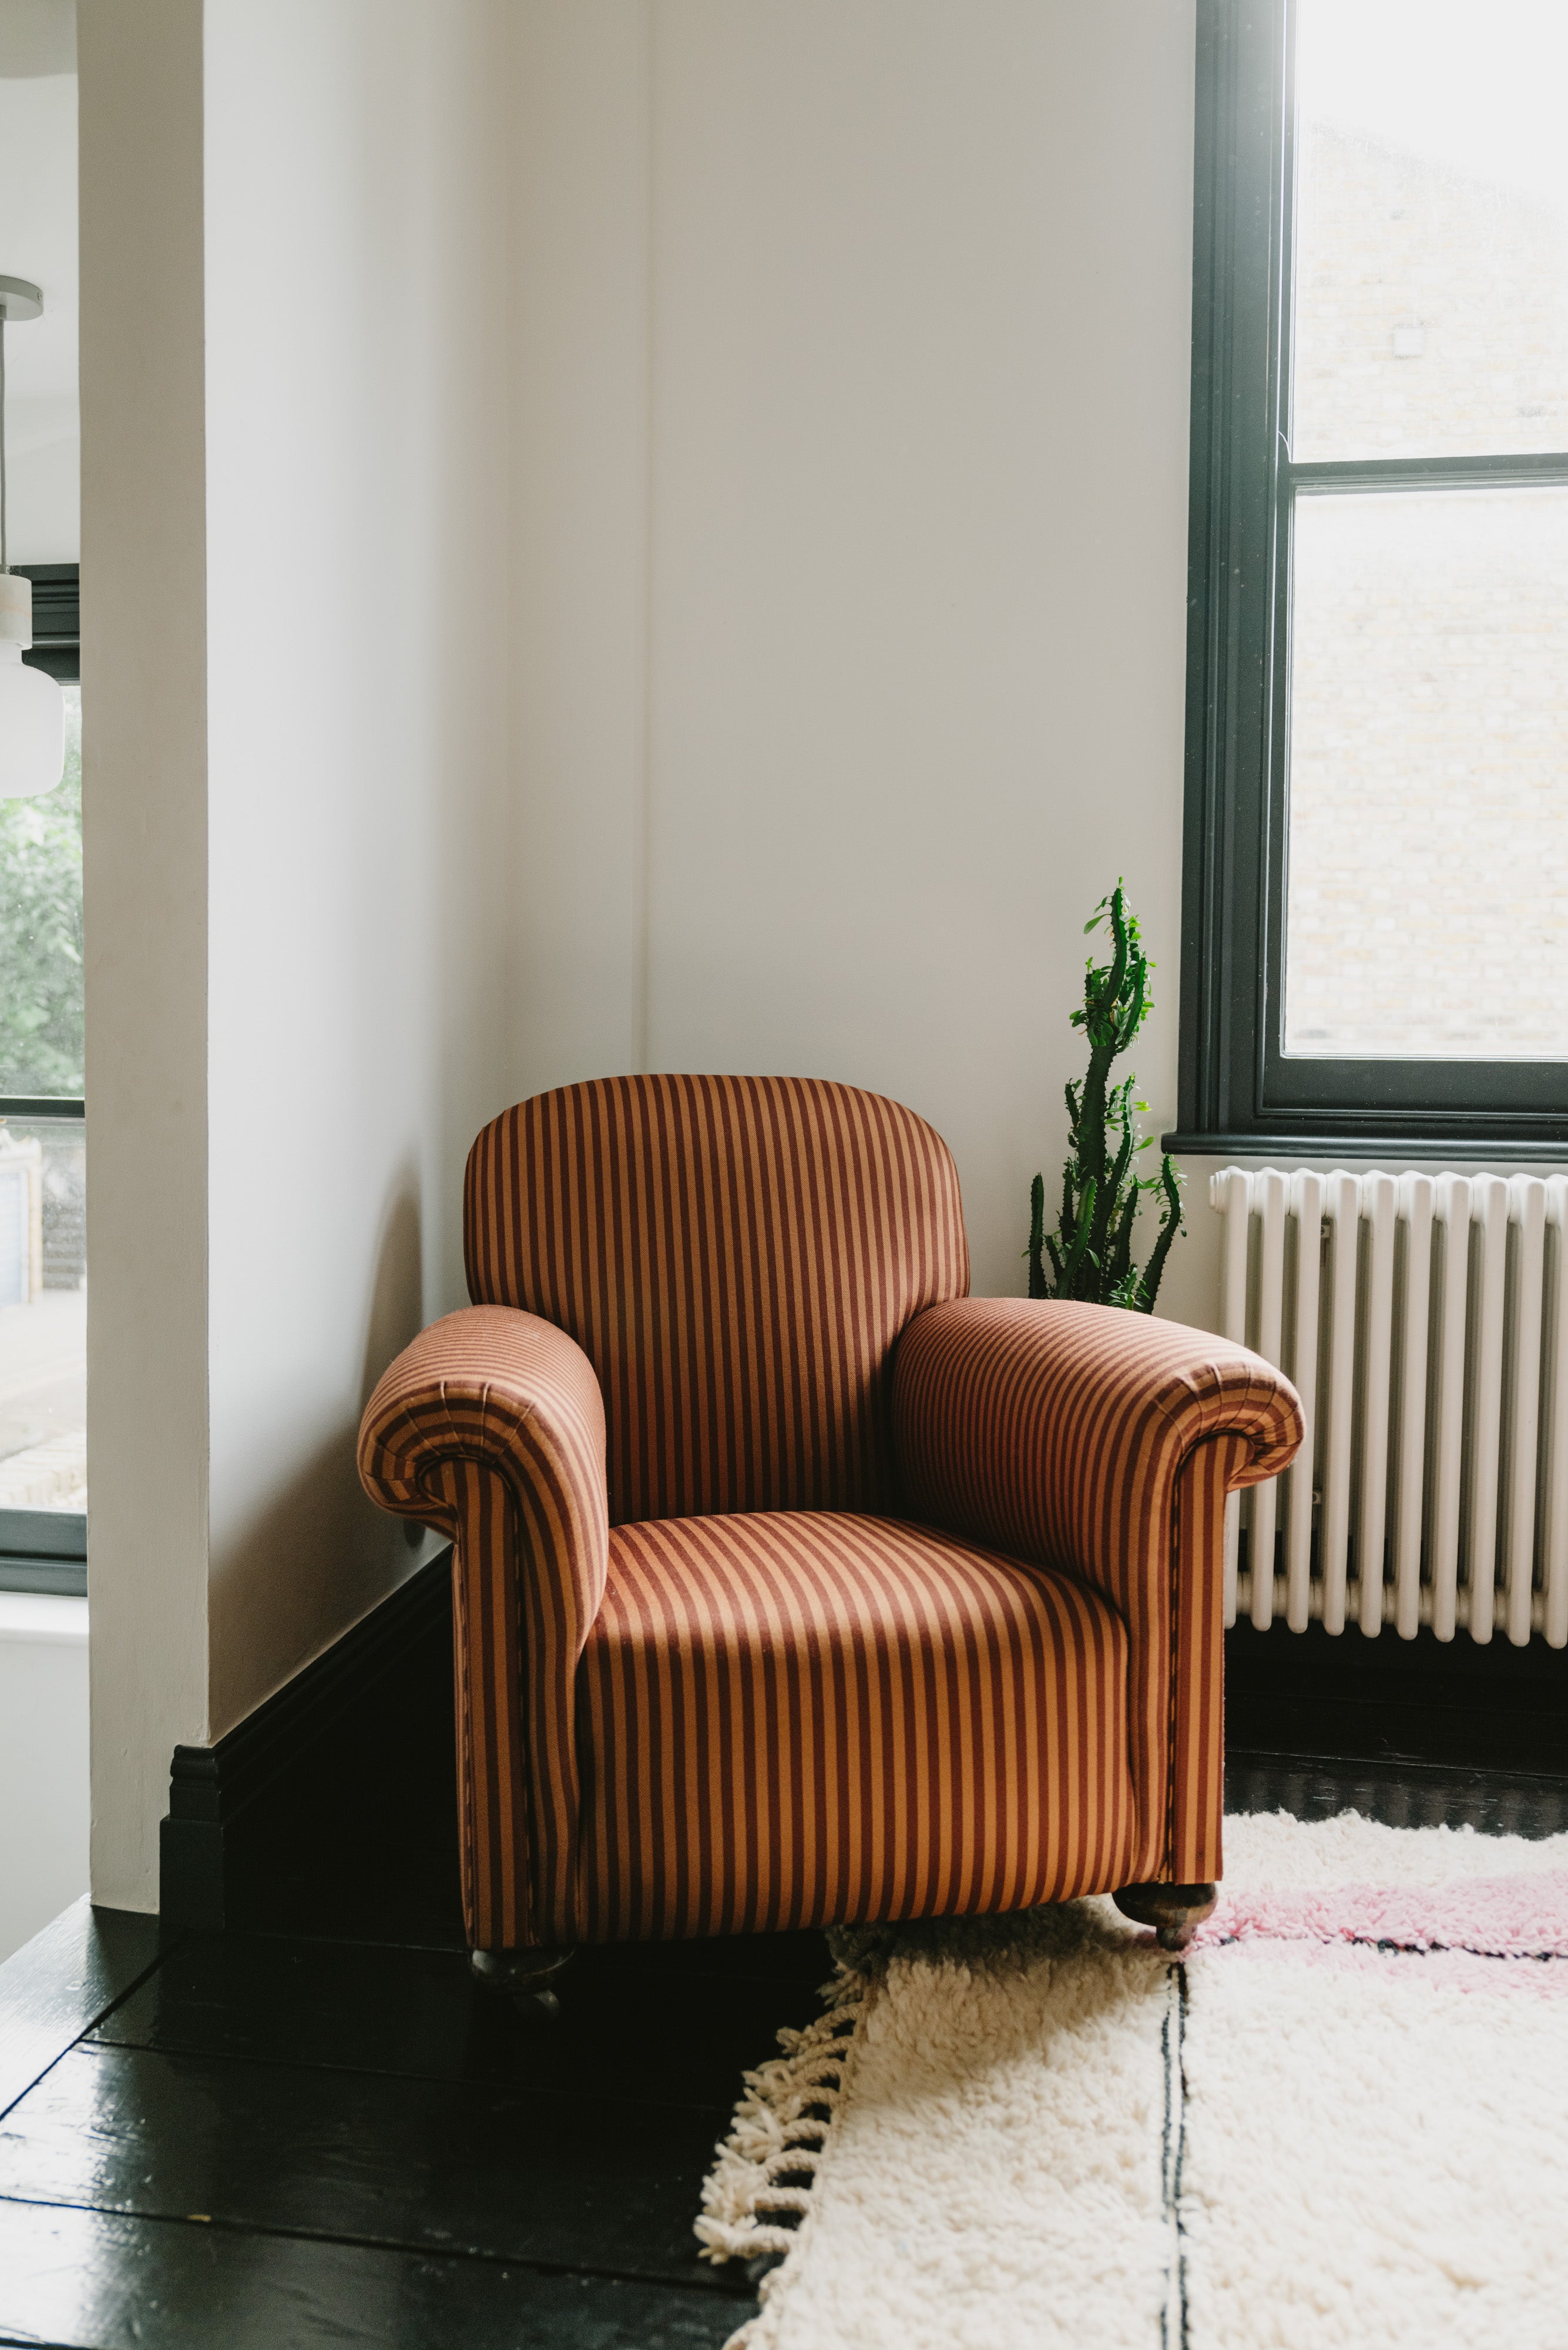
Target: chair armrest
[1103, 1442]
[493, 1385]
[491, 1428]
[1050, 1431]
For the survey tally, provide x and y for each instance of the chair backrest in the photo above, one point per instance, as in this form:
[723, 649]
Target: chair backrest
[736, 1256]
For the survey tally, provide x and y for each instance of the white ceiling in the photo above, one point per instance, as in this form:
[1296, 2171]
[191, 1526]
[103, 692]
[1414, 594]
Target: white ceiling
[38, 241]
[38, 228]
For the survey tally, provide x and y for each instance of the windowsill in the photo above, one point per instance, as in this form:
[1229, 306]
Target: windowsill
[49, 1621]
[1471, 1149]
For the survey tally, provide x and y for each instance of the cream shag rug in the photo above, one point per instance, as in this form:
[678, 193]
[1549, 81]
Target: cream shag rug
[1341, 2118]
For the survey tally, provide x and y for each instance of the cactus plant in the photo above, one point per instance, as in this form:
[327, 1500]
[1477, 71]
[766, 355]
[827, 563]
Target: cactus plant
[1090, 1252]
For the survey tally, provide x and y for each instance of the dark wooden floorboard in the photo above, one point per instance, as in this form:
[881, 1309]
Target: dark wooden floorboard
[570, 2182]
[92, 2281]
[1402, 1795]
[1402, 1732]
[386, 2154]
[57, 1984]
[636, 2023]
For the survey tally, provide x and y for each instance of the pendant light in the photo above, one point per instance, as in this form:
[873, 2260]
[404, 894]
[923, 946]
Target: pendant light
[32, 707]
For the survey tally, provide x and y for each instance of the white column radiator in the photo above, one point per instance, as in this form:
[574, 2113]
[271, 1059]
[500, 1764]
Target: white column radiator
[1424, 1319]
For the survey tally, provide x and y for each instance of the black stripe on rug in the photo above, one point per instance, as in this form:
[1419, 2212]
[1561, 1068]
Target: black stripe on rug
[1173, 2332]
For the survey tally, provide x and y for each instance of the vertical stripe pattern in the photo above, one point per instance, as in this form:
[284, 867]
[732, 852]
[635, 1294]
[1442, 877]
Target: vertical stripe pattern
[1055, 1432]
[492, 1737]
[792, 1718]
[736, 1256]
[1197, 1788]
[725, 1317]
[490, 1427]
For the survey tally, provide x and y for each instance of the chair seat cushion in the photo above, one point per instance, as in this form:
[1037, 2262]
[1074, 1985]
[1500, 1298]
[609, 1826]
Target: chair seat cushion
[797, 1718]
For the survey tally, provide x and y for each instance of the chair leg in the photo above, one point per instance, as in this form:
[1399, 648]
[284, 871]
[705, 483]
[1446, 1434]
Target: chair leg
[1173, 1911]
[526, 1978]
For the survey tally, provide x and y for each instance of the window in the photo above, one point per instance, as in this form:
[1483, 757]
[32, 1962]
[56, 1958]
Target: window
[43, 1259]
[1375, 892]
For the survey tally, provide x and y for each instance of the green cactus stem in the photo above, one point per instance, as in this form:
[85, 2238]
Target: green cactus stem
[1089, 1255]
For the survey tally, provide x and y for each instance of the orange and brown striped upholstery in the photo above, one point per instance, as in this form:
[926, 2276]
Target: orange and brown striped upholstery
[723, 1317]
[1070, 1434]
[736, 1256]
[797, 1718]
[490, 1427]
[1195, 1779]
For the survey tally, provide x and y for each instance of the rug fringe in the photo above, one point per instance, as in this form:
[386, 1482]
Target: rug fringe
[781, 2127]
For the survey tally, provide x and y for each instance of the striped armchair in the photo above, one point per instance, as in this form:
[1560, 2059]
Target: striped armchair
[794, 1586]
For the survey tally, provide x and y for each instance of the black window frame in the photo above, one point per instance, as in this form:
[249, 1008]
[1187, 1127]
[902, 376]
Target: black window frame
[1238, 1091]
[57, 646]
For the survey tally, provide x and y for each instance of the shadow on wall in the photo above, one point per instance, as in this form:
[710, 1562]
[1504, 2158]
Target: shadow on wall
[320, 1535]
[397, 1288]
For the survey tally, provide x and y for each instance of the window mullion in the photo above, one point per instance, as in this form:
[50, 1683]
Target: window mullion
[1384, 473]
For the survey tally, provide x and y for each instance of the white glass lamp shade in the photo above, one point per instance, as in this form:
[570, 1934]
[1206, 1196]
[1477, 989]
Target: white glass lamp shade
[32, 728]
[32, 707]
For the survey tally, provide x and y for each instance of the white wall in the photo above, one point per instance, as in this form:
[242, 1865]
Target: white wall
[852, 389]
[294, 586]
[43, 1761]
[144, 832]
[355, 544]
[39, 220]
[577, 649]
[618, 532]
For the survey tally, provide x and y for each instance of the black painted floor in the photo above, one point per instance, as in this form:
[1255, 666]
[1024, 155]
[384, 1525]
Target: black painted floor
[327, 2133]
[289, 2141]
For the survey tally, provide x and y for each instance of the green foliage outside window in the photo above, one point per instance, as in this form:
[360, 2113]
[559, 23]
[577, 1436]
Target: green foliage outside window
[41, 1019]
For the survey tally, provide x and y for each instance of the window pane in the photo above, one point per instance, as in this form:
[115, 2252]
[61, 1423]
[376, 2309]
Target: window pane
[1431, 268]
[41, 1016]
[43, 1314]
[43, 1261]
[1428, 911]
